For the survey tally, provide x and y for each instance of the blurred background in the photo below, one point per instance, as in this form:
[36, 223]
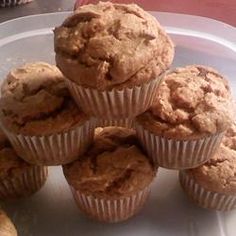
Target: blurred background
[223, 10]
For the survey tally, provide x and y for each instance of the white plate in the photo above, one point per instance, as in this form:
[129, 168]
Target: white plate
[52, 211]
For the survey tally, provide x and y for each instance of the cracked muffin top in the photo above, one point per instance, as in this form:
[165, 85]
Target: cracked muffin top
[6, 226]
[10, 164]
[113, 166]
[112, 46]
[35, 101]
[192, 102]
[219, 173]
[229, 139]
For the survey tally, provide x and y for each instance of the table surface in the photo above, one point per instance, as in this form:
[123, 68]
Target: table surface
[217, 9]
[222, 10]
[36, 7]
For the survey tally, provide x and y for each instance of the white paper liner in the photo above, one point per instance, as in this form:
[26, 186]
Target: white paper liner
[25, 184]
[205, 198]
[55, 149]
[112, 210]
[115, 104]
[127, 123]
[11, 3]
[177, 154]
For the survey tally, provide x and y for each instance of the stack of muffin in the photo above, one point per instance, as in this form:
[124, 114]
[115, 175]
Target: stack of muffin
[114, 61]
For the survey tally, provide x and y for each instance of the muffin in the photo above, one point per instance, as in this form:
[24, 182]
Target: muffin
[111, 182]
[191, 112]
[41, 120]
[18, 178]
[114, 56]
[6, 226]
[213, 185]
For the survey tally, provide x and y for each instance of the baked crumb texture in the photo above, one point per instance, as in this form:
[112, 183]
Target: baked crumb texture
[219, 173]
[35, 101]
[11, 165]
[112, 46]
[114, 166]
[193, 101]
[18, 178]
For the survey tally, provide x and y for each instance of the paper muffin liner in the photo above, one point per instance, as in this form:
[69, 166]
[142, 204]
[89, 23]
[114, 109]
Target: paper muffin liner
[11, 3]
[116, 103]
[24, 184]
[205, 198]
[111, 210]
[55, 149]
[178, 154]
[127, 123]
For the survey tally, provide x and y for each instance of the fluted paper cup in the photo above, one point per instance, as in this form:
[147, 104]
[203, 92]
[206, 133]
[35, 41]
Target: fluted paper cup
[111, 210]
[24, 184]
[11, 3]
[205, 198]
[177, 154]
[127, 123]
[56, 149]
[116, 103]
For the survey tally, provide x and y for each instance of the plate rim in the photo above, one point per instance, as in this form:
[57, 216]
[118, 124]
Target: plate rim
[175, 23]
[159, 12]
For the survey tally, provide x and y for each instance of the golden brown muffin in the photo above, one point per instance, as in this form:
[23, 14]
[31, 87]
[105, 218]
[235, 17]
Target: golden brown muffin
[6, 226]
[35, 101]
[192, 102]
[112, 46]
[218, 174]
[213, 184]
[17, 177]
[10, 164]
[114, 166]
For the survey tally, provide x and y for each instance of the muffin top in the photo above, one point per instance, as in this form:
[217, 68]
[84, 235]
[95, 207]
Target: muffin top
[229, 139]
[6, 226]
[191, 102]
[10, 164]
[112, 45]
[35, 101]
[219, 173]
[114, 165]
